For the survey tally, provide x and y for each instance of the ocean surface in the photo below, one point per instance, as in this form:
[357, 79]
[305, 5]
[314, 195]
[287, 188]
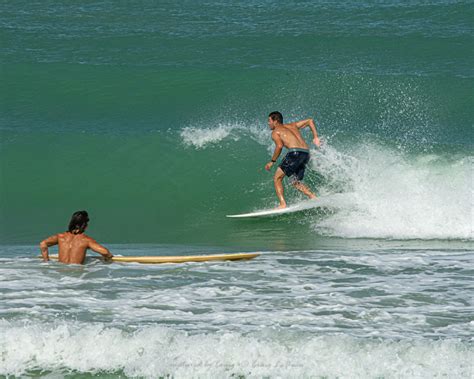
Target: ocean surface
[152, 116]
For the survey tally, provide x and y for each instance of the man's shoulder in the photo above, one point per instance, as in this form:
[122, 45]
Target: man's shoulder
[83, 237]
[86, 237]
[280, 129]
[290, 125]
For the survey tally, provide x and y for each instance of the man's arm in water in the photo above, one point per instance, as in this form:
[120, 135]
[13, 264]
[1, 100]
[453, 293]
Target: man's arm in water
[278, 148]
[50, 241]
[309, 122]
[98, 248]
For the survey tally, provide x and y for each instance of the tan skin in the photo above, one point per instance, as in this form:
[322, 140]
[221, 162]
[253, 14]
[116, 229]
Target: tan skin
[72, 247]
[289, 136]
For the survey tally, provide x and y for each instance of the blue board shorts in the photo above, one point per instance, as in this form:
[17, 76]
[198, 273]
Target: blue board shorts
[294, 163]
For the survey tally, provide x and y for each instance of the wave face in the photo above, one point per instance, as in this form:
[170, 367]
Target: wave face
[158, 127]
[144, 189]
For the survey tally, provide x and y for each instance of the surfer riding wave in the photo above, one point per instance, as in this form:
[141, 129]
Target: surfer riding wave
[295, 161]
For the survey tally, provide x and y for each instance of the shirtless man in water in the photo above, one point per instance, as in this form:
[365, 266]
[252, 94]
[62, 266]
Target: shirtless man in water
[294, 163]
[73, 244]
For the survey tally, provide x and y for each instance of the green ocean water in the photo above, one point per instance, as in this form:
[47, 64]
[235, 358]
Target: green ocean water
[152, 116]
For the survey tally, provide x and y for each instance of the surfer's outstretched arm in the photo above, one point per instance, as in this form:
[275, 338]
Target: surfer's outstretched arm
[50, 241]
[98, 248]
[309, 122]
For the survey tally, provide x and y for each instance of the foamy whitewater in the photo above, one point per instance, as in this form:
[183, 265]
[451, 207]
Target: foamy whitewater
[390, 195]
[381, 313]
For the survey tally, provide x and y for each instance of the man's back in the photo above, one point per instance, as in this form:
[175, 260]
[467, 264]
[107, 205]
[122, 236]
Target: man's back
[291, 136]
[72, 247]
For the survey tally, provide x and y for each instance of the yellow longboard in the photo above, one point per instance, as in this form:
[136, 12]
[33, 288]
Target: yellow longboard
[181, 259]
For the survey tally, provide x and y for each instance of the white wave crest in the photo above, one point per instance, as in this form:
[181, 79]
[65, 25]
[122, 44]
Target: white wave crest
[199, 138]
[202, 137]
[153, 351]
[387, 194]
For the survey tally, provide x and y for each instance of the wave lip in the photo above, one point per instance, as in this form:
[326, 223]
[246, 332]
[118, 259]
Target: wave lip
[156, 351]
[200, 138]
[203, 137]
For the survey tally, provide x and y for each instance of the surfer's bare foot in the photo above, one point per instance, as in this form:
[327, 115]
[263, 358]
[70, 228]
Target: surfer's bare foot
[281, 206]
[312, 197]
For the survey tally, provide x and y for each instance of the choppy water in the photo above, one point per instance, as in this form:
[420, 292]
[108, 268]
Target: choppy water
[152, 116]
[379, 313]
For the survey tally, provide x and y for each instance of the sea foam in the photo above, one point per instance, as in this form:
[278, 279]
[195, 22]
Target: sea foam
[385, 193]
[201, 137]
[157, 351]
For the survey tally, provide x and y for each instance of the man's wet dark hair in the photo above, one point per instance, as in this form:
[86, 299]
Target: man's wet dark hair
[276, 116]
[78, 222]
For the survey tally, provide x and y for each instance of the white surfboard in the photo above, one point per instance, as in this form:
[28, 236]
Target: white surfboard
[304, 205]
